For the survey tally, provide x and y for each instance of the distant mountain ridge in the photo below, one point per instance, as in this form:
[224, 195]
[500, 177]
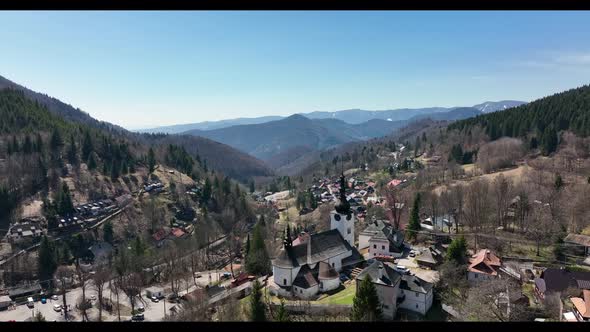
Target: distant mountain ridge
[281, 142]
[351, 116]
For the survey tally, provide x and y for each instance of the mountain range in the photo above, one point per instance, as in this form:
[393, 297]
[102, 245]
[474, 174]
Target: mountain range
[281, 142]
[352, 116]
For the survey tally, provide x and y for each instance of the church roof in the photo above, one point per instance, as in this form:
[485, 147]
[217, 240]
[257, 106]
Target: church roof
[327, 272]
[324, 245]
[305, 278]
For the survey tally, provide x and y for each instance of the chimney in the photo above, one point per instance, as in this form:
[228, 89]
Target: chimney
[488, 255]
[309, 251]
[380, 274]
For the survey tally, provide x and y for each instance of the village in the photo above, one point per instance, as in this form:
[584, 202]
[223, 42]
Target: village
[317, 269]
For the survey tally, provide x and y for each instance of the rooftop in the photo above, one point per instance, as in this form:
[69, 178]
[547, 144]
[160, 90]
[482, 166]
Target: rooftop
[323, 246]
[380, 274]
[484, 262]
[578, 239]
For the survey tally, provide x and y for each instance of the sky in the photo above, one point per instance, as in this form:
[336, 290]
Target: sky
[155, 68]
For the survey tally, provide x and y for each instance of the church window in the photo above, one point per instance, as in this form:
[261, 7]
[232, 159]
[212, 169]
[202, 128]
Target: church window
[284, 282]
[382, 247]
[348, 230]
[374, 246]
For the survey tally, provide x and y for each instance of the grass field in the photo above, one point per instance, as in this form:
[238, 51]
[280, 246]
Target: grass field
[345, 296]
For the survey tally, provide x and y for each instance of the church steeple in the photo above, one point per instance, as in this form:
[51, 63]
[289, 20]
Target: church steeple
[343, 207]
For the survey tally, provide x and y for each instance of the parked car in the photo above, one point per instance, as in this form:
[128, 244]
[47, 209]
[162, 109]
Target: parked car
[140, 307]
[343, 277]
[30, 303]
[43, 300]
[412, 254]
[402, 269]
[138, 317]
[93, 297]
[57, 307]
[155, 299]
[54, 297]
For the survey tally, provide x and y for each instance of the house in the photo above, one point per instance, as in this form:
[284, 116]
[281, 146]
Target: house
[394, 183]
[374, 228]
[178, 233]
[581, 243]
[483, 266]
[582, 306]
[100, 252]
[5, 302]
[25, 230]
[558, 280]
[23, 291]
[387, 242]
[415, 294]
[387, 283]
[311, 265]
[430, 258]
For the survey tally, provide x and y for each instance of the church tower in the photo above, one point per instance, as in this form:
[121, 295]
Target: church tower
[342, 217]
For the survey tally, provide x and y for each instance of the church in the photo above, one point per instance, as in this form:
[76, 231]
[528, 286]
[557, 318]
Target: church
[313, 265]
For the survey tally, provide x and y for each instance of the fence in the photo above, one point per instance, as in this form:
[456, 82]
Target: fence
[315, 308]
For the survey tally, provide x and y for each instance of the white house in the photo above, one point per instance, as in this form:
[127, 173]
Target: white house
[374, 228]
[387, 242]
[387, 282]
[415, 294]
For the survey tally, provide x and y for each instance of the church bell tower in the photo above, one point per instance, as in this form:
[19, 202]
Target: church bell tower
[342, 217]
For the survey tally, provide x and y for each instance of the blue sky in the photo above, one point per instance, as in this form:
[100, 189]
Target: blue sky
[144, 69]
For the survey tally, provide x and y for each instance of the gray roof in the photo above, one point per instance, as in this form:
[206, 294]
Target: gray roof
[578, 239]
[380, 274]
[306, 277]
[324, 245]
[15, 292]
[415, 284]
[427, 257]
[374, 227]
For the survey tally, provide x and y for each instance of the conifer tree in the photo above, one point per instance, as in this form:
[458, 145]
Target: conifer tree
[151, 160]
[257, 306]
[282, 314]
[366, 305]
[414, 224]
[47, 260]
[457, 251]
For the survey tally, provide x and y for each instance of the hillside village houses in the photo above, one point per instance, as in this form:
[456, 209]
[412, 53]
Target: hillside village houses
[311, 263]
[312, 266]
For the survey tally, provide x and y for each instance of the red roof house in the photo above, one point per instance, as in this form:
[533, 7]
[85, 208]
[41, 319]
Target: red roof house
[483, 265]
[178, 232]
[394, 183]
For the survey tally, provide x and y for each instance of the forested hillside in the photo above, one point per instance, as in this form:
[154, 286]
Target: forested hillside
[539, 122]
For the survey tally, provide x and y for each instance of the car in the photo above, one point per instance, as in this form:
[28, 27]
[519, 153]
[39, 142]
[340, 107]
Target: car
[138, 317]
[93, 297]
[30, 302]
[54, 297]
[412, 254]
[402, 269]
[57, 307]
[155, 299]
[141, 308]
[43, 300]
